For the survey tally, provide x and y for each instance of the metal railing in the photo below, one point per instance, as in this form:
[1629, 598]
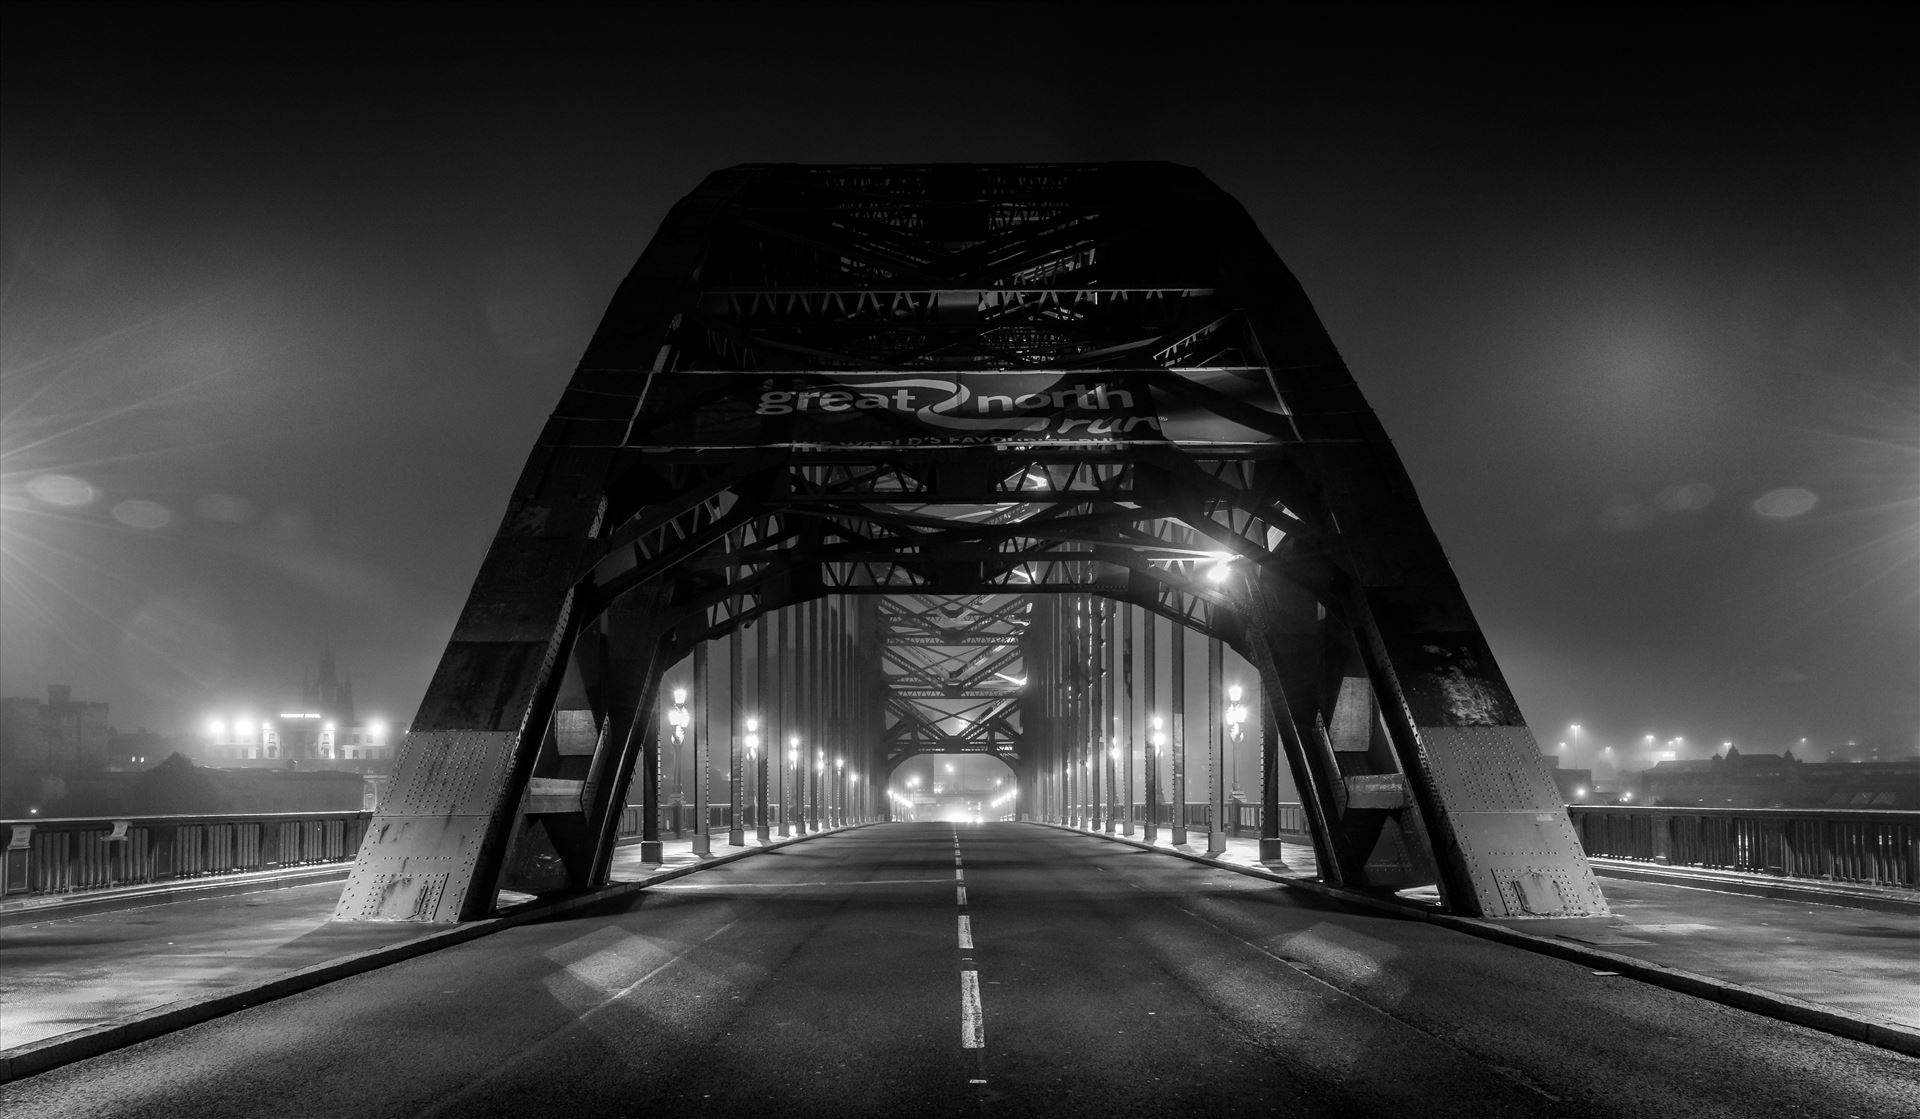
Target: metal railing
[677, 820]
[1242, 818]
[1840, 845]
[60, 856]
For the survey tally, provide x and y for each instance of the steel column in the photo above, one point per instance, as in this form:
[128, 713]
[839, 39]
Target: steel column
[701, 727]
[1128, 727]
[1155, 732]
[1216, 749]
[1177, 673]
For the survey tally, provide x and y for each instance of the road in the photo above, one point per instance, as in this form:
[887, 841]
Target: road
[1001, 969]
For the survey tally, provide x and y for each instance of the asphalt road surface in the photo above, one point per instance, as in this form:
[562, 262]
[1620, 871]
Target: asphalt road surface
[1001, 969]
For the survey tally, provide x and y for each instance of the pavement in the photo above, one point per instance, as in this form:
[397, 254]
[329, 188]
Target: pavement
[975, 970]
[81, 975]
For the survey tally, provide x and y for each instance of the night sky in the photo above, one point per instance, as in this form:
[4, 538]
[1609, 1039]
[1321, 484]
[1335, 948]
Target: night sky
[288, 294]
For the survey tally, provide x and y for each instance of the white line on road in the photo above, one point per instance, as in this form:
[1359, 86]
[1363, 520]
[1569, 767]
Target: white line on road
[973, 1024]
[966, 933]
[959, 895]
[959, 876]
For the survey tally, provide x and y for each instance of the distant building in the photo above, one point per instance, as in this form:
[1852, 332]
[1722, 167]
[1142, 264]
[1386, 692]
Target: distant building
[43, 744]
[321, 731]
[60, 735]
[143, 749]
[1737, 780]
[1575, 785]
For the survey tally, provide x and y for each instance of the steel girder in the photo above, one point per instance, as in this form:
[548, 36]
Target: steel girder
[952, 673]
[955, 386]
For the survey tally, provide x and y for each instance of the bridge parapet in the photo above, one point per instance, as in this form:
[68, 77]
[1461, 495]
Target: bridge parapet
[55, 856]
[1840, 845]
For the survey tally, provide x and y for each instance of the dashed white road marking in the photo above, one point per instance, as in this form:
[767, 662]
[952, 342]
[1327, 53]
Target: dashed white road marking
[973, 1025]
[966, 932]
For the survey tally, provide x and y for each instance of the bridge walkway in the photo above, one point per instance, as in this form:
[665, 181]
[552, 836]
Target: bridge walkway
[79, 974]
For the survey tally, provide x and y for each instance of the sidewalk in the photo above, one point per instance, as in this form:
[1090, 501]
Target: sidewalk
[80, 976]
[1853, 949]
[82, 963]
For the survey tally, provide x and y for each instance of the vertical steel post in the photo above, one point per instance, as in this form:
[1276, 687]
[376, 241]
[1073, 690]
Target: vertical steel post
[812, 696]
[782, 741]
[1078, 739]
[1103, 785]
[700, 727]
[1076, 707]
[1127, 727]
[651, 849]
[1177, 681]
[1109, 723]
[736, 772]
[1155, 732]
[1096, 722]
[829, 740]
[769, 734]
[843, 712]
[1270, 763]
[1216, 749]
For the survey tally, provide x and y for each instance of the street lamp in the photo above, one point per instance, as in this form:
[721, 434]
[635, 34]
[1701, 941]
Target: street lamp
[1236, 713]
[788, 813]
[752, 743]
[680, 719]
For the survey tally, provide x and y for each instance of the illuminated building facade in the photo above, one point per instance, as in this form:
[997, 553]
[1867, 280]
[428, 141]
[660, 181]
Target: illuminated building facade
[321, 731]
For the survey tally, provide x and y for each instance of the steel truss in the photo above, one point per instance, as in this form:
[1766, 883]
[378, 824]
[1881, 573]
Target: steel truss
[953, 391]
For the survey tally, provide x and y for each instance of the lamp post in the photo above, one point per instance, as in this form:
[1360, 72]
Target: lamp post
[1156, 741]
[759, 761]
[792, 785]
[1236, 716]
[679, 718]
[819, 772]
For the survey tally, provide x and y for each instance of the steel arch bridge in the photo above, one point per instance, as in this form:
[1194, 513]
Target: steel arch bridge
[955, 428]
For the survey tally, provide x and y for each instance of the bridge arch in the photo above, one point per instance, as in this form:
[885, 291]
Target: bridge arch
[960, 383]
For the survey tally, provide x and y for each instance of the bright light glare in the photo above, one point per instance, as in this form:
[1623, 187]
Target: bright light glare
[62, 489]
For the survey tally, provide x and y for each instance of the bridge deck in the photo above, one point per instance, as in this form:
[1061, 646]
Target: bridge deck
[75, 971]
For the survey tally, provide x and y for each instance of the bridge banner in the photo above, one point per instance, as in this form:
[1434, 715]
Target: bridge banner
[688, 410]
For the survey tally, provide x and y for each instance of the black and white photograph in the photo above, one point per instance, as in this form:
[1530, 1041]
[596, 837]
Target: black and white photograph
[972, 559]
